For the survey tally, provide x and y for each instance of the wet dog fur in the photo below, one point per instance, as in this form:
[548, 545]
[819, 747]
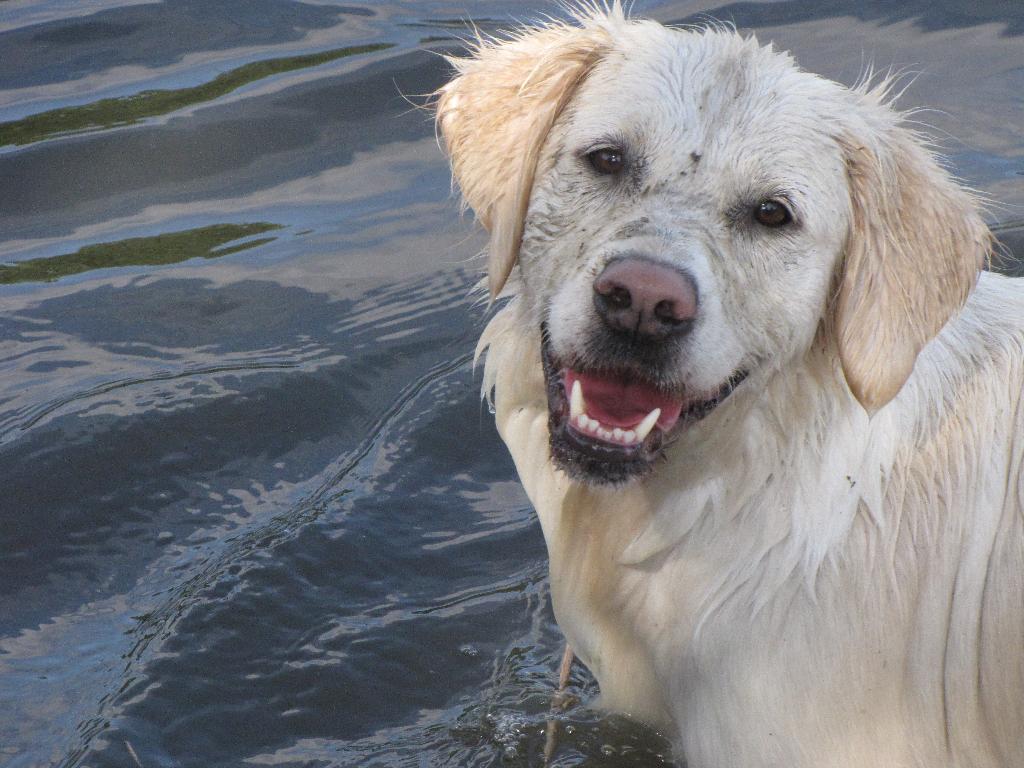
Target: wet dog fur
[826, 566]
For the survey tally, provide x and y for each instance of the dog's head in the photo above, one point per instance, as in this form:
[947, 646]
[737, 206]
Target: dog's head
[691, 213]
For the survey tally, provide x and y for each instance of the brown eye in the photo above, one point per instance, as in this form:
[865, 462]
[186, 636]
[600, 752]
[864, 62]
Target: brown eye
[607, 161]
[772, 213]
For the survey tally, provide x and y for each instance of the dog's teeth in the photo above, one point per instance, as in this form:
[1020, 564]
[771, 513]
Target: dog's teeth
[644, 427]
[591, 426]
[576, 405]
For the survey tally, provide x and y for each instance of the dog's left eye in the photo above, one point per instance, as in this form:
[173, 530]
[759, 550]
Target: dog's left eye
[772, 213]
[607, 160]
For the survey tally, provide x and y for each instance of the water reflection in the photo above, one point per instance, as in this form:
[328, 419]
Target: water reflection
[928, 15]
[253, 509]
[233, 149]
[168, 248]
[126, 110]
[152, 35]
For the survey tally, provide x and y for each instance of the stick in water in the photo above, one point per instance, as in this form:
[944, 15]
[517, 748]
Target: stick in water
[558, 702]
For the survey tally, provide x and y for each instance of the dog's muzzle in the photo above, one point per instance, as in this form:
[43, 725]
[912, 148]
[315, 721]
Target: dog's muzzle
[610, 426]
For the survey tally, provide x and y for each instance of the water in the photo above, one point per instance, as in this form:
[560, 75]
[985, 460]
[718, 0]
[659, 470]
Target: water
[253, 511]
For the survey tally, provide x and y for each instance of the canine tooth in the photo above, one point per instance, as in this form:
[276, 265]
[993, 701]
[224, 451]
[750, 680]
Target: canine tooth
[576, 405]
[583, 421]
[644, 427]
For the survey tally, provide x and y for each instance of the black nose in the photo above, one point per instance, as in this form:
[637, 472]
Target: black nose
[639, 296]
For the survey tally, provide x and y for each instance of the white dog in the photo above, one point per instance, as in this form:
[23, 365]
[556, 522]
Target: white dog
[767, 410]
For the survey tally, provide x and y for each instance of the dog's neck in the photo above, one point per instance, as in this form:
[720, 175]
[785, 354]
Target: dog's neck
[750, 456]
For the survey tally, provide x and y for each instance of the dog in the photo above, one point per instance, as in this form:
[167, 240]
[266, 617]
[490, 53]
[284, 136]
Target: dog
[760, 390]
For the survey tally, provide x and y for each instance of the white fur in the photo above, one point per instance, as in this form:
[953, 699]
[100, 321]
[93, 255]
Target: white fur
[828, 570]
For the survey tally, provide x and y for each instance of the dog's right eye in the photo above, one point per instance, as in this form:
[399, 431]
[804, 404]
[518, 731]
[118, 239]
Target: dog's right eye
[607, 160]
[772, 213]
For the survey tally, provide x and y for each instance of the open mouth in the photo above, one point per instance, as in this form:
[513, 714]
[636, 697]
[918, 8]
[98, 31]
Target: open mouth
[610, 426]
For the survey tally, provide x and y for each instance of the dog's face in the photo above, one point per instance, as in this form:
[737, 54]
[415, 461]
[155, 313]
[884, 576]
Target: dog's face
[685, 223]
[686, 206]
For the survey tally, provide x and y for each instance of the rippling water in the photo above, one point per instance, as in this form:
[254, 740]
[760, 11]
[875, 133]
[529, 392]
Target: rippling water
[253, 511]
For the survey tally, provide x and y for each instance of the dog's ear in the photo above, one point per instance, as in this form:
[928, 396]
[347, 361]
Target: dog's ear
[496, 113]
[914, 249]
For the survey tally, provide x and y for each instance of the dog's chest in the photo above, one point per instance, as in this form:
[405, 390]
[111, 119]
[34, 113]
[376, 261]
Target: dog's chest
[676, 644]
[605, 612]
[632, 625]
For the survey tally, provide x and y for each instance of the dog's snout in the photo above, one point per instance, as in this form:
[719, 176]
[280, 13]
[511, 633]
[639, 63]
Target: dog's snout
[639, 296]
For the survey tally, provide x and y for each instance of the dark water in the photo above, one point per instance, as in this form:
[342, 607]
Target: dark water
[252, 510]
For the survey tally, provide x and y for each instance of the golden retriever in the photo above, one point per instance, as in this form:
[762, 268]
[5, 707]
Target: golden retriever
[766, 404]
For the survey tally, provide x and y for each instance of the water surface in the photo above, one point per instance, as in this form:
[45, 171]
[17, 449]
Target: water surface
[253, 510]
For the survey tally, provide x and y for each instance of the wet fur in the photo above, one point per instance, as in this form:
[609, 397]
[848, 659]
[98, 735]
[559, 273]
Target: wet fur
[827, 570]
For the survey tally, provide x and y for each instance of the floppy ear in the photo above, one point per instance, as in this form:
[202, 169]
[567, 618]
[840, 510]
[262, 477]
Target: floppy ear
[496, 113]
[915, 245]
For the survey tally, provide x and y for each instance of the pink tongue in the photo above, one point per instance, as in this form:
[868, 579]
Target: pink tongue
[617, 403]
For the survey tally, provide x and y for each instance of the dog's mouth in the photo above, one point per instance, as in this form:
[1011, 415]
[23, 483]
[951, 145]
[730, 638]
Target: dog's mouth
[610, 426]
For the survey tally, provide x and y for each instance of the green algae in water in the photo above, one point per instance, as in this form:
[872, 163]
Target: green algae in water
[126, 110]
[158, 250]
